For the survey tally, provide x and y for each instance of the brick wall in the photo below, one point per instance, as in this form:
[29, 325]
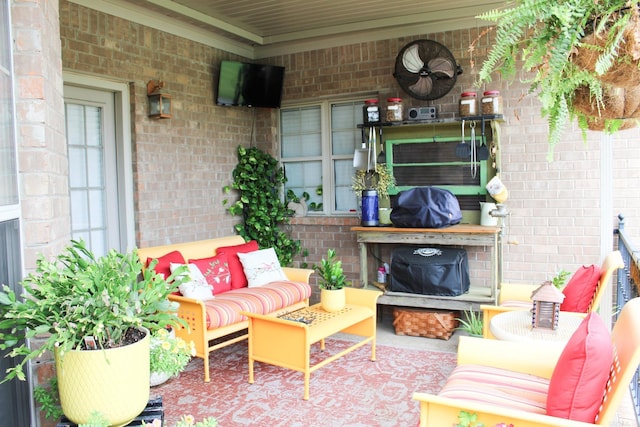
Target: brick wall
[555, 217]
[42, 151]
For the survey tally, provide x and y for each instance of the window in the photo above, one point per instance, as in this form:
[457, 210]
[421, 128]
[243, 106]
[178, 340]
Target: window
[318, 142]
[8, 172]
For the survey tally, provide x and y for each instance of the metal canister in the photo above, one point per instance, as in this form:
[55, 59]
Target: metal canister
[369, 208]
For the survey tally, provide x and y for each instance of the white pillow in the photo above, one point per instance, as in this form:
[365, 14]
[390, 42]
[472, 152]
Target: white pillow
[196, 285]
[261, 267]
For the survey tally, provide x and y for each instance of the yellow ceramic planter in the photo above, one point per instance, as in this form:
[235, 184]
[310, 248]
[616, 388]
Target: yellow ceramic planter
[332, 300]
[113, 382]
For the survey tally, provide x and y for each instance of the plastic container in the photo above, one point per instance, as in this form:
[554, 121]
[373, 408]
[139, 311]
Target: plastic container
[491, 103]
[382, 275]
[468, 104]
[395, 110]
[371, 111]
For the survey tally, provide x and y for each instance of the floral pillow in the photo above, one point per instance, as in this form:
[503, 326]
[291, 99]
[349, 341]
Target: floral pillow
[195, 286]
[261, 267]
[216, 271]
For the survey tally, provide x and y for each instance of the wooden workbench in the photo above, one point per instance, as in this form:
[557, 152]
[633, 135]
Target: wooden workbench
[456, 235]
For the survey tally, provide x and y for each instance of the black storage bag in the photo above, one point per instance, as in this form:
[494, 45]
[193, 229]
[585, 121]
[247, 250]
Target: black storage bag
[442, 271]
[426, 207]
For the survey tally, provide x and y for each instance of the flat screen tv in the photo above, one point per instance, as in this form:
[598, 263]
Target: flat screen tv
[250, 85]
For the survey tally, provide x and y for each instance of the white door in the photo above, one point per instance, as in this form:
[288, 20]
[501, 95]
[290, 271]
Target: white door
[95, 177]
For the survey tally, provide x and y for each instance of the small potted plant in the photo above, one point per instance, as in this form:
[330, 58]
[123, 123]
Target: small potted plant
[186, 421]
[169, 355]
[472, 323]
[94, 314]
[560, 279]
[332, 282]
[379, 179]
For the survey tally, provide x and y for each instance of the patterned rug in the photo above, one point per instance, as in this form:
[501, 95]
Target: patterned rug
[350, 391]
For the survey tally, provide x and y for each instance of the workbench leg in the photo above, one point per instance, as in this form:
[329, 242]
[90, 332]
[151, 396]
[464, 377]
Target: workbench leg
[364, 274]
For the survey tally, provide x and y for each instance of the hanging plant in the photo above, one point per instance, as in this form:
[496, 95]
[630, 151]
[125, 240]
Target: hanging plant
[571, 48]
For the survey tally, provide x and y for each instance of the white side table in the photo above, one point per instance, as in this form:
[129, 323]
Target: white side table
[516, 326]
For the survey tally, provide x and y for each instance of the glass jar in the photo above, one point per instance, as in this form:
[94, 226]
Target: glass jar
[371, 111]
[491, 103]
[395, 111]
[468, 104]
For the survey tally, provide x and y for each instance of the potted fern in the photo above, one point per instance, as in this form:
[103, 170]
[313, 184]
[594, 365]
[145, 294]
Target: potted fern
[332, 282]
[582, 56]
[94, 314]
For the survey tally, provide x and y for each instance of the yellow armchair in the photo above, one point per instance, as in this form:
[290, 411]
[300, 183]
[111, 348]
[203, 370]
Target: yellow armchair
[522, 292]
[539, 360]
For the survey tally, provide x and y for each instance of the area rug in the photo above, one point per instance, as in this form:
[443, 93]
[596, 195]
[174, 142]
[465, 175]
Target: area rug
[351, 391]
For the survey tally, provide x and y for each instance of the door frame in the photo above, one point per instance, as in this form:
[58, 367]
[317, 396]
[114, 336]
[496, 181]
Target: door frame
[124, 158]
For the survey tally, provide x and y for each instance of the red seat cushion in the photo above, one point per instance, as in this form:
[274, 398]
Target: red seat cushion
[579, 291]
[238, 278]
[577, 385]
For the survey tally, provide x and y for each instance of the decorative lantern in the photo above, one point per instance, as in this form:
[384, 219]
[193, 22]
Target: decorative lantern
[159, 103]
[546, 307]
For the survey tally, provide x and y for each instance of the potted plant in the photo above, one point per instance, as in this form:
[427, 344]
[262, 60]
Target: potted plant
[332, 282]
[94, 315]
[582, 54]
[169, 355]
[472, 323]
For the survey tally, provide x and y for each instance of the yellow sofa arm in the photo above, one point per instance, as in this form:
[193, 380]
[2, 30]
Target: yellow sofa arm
[539, 359]
[516, 292]
[298, 274]
[442, 411]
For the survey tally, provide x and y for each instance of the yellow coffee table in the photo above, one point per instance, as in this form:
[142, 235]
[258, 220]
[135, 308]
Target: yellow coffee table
[287, 343]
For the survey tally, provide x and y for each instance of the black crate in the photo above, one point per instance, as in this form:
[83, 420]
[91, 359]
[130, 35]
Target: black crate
[153, 411]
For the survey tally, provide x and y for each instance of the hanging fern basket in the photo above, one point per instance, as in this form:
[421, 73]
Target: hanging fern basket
[624, 70]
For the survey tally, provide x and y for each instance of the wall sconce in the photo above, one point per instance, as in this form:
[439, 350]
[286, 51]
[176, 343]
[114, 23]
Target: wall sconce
[159, 103]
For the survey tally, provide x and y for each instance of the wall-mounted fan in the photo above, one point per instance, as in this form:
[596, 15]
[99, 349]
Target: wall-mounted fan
[426, 69]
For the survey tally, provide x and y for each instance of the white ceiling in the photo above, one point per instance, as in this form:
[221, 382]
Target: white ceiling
[263, 28]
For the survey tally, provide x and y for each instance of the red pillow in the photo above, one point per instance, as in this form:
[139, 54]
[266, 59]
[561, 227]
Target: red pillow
[238, 278]
[164, 262]
[579, 291]
[216, 270]
[578, 381]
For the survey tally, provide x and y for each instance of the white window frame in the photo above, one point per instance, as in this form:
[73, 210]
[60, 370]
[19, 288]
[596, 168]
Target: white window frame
[327, 156]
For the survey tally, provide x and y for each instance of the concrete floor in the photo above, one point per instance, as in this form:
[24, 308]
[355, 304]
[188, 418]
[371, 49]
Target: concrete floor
[386, 336]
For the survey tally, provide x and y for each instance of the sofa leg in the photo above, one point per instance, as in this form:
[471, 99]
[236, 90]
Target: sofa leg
[205, 360]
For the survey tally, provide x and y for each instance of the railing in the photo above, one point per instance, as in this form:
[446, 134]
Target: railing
[625, 289]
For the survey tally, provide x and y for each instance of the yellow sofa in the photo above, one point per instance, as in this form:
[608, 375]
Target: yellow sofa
[194, 312]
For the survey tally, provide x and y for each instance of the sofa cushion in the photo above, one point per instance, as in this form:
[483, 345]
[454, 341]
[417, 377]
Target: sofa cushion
[580, 289]
[225, 308]
[163, 266]
[216, 271]
[195, 285]
[261, 267]
[496, 386]
[578, 381]
[238, 279]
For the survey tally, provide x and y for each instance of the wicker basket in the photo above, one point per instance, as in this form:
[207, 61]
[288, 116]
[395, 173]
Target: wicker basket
[425, 323]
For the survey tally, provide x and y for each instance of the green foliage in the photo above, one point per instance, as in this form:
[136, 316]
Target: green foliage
[79, 295]
[259, 179]
[560, 279]
[96, 419]
[472, 323]
[468, 419]
[48, 399]
[169, 354]
[545, 34]
[331, 274]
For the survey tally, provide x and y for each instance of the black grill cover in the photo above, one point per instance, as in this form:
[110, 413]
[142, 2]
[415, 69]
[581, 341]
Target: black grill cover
[429, 270]
[426, 207]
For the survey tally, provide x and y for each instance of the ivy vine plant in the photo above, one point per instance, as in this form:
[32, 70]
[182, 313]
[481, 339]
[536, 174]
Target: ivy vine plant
[259, 179]
[546, 35]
